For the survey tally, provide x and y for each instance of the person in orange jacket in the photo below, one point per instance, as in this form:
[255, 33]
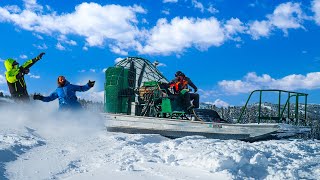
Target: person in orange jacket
[180, 86]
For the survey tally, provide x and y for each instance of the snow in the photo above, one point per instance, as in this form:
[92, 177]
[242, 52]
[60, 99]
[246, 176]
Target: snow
[42, 143]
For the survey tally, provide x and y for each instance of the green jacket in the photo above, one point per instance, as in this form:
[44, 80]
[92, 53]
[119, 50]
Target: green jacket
[15, 77]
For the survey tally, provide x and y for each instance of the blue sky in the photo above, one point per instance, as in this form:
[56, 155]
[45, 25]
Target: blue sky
[228, 49]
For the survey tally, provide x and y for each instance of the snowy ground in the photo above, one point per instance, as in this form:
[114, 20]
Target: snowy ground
[40, 143]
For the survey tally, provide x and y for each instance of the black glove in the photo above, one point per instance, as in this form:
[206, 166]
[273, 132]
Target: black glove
[26, 71]
[37, 97]
[39, 56]
[195, 90]
[91, 83]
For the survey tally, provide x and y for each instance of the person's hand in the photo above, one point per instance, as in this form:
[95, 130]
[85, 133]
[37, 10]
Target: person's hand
[37, 97]
[26, 71]
[39, 56]
[91, 83]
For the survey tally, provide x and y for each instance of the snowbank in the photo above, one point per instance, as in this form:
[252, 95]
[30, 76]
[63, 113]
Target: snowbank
[44, 144]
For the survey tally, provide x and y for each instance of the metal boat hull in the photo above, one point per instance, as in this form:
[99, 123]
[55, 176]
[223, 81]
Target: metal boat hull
[176, 128]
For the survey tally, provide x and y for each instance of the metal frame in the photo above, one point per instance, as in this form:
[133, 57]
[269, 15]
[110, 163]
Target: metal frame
[280, 113]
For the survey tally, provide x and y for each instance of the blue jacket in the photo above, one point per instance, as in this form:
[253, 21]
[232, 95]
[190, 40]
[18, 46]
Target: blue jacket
[67, 96]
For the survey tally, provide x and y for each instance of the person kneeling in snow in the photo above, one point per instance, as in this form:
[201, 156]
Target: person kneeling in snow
[66, 93]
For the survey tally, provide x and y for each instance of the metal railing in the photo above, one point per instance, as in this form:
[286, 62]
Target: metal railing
[280, 111]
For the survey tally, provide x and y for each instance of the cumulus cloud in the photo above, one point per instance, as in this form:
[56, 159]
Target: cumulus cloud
[168, 37]
[212, 9]
[285, 16]
[316, 10]
[253, 82]
[64, 39]
[219, 103]
[234, 26]
[260, 29]
[118, 60]
[116, 27]
[41, 46]
[34, 76]
[23, 56]
[32, 5]
[93, 96]
[170, 1]
[110, 22]
[2, 79]
[60, 47]
[198, 5]
[85, 48]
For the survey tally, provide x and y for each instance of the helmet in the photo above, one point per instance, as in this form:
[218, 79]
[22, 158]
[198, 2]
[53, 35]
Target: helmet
[179, 73]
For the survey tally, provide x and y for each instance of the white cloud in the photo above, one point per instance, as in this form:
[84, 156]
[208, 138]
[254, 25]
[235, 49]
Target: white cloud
[38, 36]
[110, 22]
[13, 9]
[234, 26]
[118, 60]
[93, 96]
[64, 39]
[198, 5]
[165, 11]
[170, 1]
[212, 10]
[316, 10]
[23, 56]
[162, 65]
[82, 71]
[118, 50]
[285, 16]
[260, 29]
[85, 48]
[104, 70]
[92, 70]
[32, 5]
[173, 37]
[252, 82]
[2, 79]
[60, 47]
[41, 46]
[219, 103]
[34, 76]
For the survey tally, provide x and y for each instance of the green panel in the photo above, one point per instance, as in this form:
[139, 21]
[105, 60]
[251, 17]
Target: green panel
[150, 83]
[166, 105]
[114, 83]
[125, 99]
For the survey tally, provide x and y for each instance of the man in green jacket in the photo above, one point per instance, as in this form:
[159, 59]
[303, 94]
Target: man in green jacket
[15, 77]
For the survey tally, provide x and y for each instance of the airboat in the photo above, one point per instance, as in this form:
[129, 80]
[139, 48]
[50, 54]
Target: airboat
[136, 102]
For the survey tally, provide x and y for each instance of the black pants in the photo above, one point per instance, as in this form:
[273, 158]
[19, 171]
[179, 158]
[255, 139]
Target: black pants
[21, 97]
[194, 97]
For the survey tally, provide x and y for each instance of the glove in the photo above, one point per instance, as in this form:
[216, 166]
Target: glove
[26, 71]
[91, 83]
[37, 97]
[39, 56]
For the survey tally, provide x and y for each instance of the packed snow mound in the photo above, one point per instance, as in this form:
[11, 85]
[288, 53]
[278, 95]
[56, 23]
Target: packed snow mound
[51, 145]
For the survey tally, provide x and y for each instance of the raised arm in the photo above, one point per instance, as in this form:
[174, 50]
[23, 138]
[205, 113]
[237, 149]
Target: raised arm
[31, 62]
[49, 98]
[86, 87]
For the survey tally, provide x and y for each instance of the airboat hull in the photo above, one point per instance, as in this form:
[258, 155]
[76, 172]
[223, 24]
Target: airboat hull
[176, 128]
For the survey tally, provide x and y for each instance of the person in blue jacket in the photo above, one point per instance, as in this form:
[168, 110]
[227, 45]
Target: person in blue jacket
[66, 93]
